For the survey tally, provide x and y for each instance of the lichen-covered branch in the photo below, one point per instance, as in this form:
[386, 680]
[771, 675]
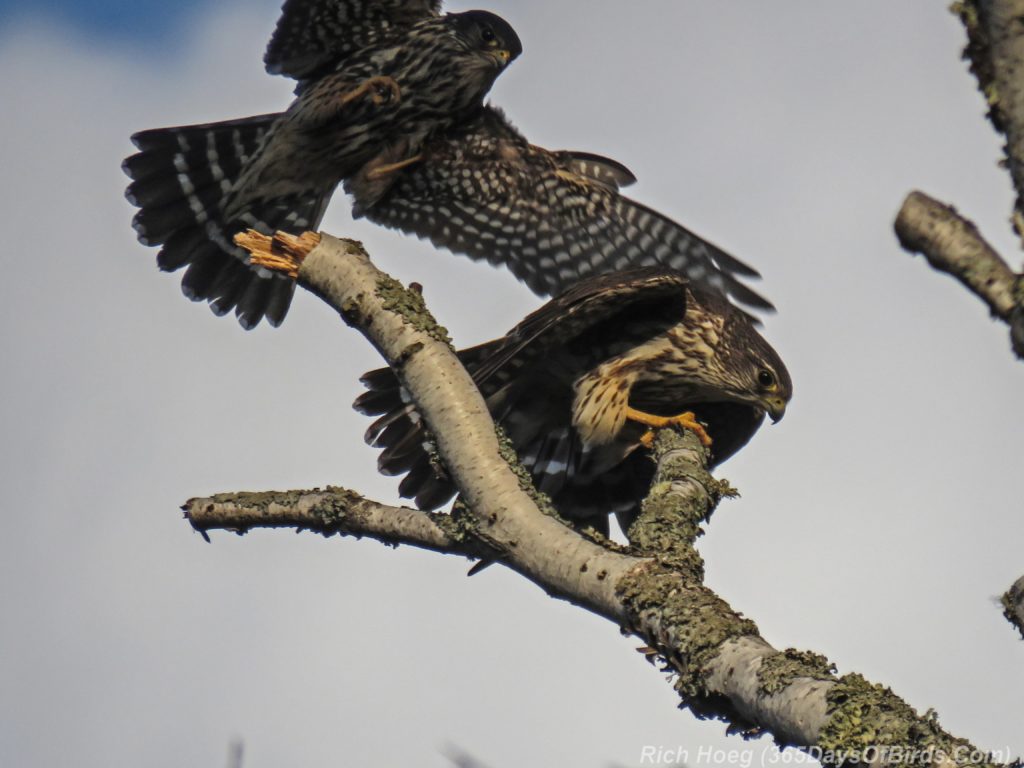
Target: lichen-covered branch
[995, 49]
[952, 244]
[726, 669]
[723, 667]
[1013, 605]
[509, 515]
[334, 511]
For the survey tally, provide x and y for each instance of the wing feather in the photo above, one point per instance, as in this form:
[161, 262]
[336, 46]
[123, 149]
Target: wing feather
[639, 304]
[552, 217]
[314, 34]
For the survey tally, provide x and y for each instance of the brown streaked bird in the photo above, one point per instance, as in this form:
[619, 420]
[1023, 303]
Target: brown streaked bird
[579, 384]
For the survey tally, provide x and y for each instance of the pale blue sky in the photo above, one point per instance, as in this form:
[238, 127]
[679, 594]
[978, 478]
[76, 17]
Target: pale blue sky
[110, 20]
[877, 522]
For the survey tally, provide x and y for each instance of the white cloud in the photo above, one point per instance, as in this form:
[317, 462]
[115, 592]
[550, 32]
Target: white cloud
[876, 522]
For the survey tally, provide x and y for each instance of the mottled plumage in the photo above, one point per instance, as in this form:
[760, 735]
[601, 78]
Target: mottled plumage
[552, 217]
[560, 383]
[376, 81]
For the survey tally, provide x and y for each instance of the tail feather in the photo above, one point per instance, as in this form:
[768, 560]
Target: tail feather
[231, 285]
[281, 292]
[402, 442]
[182, 178]
[203, 273]
[155, 226]
[180, 247]
[401, 435]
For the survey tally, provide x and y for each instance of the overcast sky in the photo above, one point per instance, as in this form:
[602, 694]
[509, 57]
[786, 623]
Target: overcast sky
[877, 525]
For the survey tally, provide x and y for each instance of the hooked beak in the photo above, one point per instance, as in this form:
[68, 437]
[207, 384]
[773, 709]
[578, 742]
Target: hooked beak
[503, 57]
[776, 408]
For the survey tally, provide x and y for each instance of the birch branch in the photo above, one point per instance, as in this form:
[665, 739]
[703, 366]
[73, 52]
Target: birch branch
[952, 244]
[723, 667]
[510, 516]
[334, 511]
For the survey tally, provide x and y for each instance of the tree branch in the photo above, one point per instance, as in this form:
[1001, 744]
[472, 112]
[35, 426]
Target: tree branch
[334, 511]
[724, 668]
[509, 515]
[1013, 605]
[952, 244]
[995, 49]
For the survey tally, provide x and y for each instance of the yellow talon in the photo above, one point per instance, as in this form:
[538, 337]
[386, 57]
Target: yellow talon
[686, 420]
[382, 90]
[384, 170]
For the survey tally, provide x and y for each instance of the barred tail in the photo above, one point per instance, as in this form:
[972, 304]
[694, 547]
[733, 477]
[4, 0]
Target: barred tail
[584, 484]
[406, 447]
[181, 178]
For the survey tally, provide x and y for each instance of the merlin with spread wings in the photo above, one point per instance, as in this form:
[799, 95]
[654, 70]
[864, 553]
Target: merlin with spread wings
[390, 101]
[376, 80]
[580, 383]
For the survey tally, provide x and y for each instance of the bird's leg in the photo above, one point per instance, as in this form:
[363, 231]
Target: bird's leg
[687, 420]
[382, 90]
[383, 170]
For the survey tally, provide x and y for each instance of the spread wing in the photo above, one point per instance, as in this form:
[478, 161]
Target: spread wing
[552, 217]
[596, 316]
[314, 34]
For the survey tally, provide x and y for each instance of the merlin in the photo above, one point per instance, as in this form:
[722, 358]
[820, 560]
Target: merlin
[376, 80]
[390, 101]
[580, 384]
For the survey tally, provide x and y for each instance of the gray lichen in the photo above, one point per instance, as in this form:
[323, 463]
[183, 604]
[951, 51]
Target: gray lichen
[780, 670]
[690, 618]
[870, 720]
[410, 306]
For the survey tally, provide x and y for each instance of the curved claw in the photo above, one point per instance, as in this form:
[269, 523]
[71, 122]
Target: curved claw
[686, 420]
[381, 89]
[383, 170]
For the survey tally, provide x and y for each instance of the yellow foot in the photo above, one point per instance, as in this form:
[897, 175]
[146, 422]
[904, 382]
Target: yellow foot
[686, 420]
[383, 90]
[383, 170]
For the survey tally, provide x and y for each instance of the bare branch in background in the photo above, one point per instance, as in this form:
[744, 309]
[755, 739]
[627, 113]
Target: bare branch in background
[952, 244]
[995, 50]
[1013, 605]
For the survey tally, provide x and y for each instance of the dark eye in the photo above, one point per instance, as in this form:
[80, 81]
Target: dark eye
[765, 378]
[487, 34]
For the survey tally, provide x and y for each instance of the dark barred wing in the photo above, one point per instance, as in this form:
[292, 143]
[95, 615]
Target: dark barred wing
[180, 179]
[552, 217]
[526, 378]
[600, 315]
[312, 35]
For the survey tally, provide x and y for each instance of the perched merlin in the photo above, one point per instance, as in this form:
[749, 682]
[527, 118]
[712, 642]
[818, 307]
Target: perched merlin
[580, 383]
[376, 80]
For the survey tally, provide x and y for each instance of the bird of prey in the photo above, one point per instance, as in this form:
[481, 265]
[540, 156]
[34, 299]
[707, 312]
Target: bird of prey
[580, 383]
[390, 99]
[376, 80]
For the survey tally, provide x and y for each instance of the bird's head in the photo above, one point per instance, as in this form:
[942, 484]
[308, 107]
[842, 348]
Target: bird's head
[488, 34]
[752, 371]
